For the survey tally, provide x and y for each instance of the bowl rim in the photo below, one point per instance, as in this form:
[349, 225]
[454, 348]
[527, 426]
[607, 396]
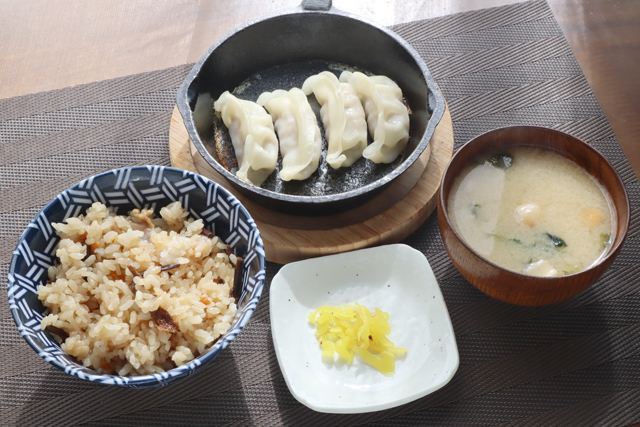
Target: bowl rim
[149, 380]
[613, 249]
[182, 101]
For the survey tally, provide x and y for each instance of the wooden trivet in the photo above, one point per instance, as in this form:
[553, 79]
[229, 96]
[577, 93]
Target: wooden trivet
[290, 238]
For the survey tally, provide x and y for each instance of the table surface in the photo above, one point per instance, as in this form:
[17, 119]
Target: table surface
[46, 45]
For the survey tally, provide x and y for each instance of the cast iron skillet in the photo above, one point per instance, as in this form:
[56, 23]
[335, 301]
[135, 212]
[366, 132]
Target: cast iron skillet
[280, 52]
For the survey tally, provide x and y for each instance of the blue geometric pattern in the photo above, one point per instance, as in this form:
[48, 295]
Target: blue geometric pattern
[126, 189]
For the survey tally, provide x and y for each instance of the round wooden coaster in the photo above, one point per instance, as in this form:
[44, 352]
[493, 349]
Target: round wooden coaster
[397, 212]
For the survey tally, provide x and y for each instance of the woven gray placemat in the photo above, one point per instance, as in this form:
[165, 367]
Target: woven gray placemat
[577, 362]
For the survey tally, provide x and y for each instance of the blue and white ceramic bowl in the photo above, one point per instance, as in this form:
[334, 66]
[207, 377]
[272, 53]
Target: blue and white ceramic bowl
[126, 189]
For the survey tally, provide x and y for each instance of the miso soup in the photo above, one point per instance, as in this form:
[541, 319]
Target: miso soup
[532, 211]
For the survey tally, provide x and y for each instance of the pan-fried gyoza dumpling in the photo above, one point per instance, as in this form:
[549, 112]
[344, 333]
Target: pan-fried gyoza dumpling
[252, 136]
[298, 132]
[342, 116]
[387, 116]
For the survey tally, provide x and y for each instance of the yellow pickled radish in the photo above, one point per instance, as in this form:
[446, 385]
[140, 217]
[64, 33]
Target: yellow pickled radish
[384, 361]
[354, 329]
[328, 348]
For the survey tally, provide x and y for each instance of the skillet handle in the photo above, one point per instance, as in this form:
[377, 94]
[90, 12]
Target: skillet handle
[316, 4]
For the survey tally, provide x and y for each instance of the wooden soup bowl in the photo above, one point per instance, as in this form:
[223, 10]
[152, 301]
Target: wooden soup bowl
[510, 286]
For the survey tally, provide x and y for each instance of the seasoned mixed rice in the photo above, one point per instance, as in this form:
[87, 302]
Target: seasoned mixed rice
[136, 295]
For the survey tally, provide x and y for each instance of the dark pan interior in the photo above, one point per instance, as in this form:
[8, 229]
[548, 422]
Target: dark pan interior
[280, 53]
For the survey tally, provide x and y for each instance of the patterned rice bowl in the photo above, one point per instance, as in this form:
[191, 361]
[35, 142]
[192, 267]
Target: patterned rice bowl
[126, 189]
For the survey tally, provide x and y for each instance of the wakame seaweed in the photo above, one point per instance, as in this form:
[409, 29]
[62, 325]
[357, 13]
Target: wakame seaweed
[501, 161]
[557, 241]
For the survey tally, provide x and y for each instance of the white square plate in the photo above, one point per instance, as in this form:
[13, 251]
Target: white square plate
[395, 278]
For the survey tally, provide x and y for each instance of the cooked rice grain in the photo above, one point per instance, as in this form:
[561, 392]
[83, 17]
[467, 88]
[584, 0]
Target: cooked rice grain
[110, 327]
